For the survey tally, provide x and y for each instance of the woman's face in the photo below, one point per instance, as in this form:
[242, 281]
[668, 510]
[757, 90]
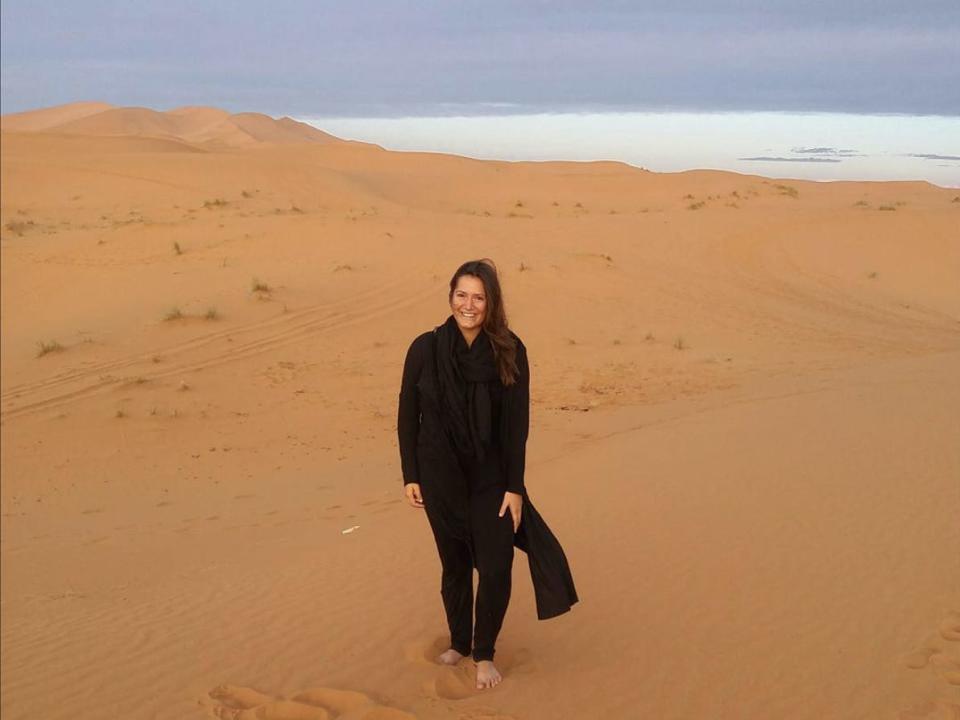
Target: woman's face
[469, 303]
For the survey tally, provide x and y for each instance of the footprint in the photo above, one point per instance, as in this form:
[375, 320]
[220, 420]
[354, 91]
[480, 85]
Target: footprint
[241, 703]
[337, 701]
[239, 698]
[276, 710]
[456, 682]
[942, 656]
[950, 627]
[421, 652]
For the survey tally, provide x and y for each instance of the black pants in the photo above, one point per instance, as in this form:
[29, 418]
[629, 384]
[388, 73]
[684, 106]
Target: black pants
[492, 555]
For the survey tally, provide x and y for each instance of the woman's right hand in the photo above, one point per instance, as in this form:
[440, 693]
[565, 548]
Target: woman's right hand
[414, 497]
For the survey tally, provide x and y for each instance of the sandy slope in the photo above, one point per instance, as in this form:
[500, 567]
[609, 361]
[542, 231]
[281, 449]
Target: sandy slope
[205, 126]
[744, 432]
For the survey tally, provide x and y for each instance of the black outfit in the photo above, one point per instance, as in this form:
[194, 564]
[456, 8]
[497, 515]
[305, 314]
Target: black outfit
[462, 437]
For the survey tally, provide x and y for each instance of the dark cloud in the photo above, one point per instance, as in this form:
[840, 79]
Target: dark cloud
[764, 158]
[930, 156]
[390, 57]
[825, 151]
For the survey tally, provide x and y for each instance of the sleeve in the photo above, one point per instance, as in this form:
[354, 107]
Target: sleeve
[408, 414]
[519, 424]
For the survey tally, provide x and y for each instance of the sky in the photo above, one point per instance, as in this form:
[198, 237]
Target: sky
[389, 58]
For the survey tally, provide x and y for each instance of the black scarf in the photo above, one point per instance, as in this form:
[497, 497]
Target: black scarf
[466, 376]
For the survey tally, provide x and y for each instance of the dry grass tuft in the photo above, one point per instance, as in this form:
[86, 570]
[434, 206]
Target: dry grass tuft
[45, 348]
[18, 227]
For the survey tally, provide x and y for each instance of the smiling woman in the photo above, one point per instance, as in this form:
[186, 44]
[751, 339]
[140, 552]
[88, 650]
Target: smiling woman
[462, 423]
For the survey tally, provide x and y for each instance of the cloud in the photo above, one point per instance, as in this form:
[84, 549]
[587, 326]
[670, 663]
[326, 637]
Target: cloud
[394, 57]
[932, 156]
[825, 151]
[765, 158]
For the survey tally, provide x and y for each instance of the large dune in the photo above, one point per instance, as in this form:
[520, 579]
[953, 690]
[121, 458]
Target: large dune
[744, 430]
[202, 125]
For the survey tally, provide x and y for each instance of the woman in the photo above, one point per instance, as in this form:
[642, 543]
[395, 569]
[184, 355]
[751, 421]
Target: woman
[462, 426]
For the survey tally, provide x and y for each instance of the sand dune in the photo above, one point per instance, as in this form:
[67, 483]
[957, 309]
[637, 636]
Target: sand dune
[744, 430]
[46, 118]
[201, 125]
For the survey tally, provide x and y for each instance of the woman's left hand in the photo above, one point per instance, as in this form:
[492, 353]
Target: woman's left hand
[513, 502]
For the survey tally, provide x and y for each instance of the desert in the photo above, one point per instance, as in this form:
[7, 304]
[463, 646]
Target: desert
[744, 429]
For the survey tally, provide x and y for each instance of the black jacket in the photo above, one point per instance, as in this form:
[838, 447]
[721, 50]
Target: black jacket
[426, 456]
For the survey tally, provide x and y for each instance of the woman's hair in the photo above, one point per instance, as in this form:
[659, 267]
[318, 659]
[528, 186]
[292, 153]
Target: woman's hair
[495, 320]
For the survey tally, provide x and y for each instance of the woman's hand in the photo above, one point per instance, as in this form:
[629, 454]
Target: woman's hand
[412, 491]
[514, 502]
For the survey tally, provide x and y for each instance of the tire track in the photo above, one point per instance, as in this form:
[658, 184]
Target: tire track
[281, 332]
[74, 374]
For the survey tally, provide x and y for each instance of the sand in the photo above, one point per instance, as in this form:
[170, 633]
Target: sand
[744, 430]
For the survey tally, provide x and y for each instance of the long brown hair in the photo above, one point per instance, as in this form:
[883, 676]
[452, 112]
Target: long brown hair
[495, 321]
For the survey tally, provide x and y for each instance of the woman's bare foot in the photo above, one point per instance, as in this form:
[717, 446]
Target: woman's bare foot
[449, 657]
[487, 674]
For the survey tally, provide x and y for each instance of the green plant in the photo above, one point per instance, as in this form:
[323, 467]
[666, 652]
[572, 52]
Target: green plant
[173, 314]
[259, 287]
[177, 249]
[788, 190]
[679, 343]
[211, 314]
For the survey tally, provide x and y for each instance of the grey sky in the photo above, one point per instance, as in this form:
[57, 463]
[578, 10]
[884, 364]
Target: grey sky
[441, 57]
